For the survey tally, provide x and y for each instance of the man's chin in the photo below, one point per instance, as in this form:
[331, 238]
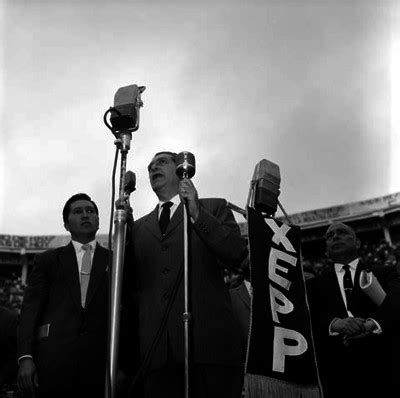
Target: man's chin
[157, 184]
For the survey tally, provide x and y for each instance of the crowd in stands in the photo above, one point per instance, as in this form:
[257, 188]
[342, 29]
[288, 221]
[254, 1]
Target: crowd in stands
[374, 254]
[11, 293]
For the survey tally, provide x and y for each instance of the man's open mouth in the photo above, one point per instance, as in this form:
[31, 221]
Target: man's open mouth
[337, 245]
[155, 176]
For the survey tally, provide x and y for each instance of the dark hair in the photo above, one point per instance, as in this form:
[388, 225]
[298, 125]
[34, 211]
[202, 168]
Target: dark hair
[172, 154]
[75, 198]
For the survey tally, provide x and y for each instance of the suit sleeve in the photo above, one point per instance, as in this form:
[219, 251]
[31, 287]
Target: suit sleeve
[388, 313]
[8, 345]
[217, 227]
[35, 296]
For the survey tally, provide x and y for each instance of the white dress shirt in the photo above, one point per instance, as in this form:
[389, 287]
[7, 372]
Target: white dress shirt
[340, 273]
[175, 200]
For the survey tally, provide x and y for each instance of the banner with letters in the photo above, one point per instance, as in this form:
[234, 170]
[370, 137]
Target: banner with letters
[280, 354]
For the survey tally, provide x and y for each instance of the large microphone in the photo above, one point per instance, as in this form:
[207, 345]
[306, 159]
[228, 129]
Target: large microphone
[130, 182]
[185, 165]
[266, 181]
[125, 113]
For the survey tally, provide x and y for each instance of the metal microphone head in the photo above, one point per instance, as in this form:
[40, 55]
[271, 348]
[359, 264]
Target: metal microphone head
[185, 165]
[125, 114]
[130, 182]
[266, 179]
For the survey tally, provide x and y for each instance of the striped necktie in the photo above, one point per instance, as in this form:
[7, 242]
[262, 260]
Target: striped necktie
[348, 287]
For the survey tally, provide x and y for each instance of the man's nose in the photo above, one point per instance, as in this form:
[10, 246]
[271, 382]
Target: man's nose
[154, 167]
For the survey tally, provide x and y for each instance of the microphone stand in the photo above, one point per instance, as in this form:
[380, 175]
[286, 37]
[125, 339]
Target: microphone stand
[124, 119]
[186, 314]
[120, 218]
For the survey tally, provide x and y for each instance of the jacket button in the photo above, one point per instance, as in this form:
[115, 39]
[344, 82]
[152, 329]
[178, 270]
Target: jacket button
[164, 248]
[165, 270]
[165, 296]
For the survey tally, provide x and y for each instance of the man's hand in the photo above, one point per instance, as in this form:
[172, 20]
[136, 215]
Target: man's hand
[27, 376]
[369, 326]
[349, 326]
[188, 193]
[123, 204]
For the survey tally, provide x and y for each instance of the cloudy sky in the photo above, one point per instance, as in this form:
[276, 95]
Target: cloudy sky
[312, 85]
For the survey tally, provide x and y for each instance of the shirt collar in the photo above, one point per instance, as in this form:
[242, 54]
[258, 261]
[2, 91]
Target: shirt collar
[78, 245]
[352, 265]
[175, 200]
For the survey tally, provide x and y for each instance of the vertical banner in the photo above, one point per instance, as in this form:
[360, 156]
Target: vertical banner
[280, 355]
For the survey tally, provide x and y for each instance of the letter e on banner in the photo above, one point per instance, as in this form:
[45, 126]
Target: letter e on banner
[273, 265]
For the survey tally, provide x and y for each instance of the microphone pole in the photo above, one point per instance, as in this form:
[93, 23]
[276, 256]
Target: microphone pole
[186, 313]
[124, 120]
[186, 169]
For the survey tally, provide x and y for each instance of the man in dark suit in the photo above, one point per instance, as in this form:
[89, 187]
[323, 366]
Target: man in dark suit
[62, 339]
[354, 336]
[8, 346]
[157, 268]
[241, 305]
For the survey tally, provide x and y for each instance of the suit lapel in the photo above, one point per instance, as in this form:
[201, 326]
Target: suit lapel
[358, 295]
[175, 220]
[69, 265]
[99, 265]
[151, 223]
[334, 293]
[153, 226]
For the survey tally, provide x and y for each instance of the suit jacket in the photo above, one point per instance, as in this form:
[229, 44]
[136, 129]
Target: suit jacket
[215, 243]
[365, 365]
[8, 346]
[67, 343]
[241, 305]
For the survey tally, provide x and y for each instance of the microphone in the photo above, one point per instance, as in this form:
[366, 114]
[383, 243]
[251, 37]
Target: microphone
[130, 182]
[266, 180]
[185, 165]
[125, 113]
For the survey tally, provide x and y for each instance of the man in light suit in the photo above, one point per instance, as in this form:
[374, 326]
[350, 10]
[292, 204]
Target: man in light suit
[354, 336]
[62, 339]
[157, 268]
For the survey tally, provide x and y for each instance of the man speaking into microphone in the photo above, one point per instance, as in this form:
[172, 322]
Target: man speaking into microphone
[155, 268]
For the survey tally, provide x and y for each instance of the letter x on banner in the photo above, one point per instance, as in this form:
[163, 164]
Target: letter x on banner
[280, 354]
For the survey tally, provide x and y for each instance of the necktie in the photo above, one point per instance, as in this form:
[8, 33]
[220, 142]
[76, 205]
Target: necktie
[348, 286]
[85, 272]
[164, 217]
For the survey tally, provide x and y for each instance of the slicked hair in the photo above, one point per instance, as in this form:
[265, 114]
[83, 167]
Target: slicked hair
[75, 198]
[172, 154]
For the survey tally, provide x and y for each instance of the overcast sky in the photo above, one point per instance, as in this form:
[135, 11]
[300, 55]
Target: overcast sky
[313, 86]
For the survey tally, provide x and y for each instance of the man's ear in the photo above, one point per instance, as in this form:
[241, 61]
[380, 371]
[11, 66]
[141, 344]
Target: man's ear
[358, 243]
[66, 226]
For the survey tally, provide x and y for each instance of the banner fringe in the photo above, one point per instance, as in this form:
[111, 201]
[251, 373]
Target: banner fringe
[256, 386]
